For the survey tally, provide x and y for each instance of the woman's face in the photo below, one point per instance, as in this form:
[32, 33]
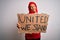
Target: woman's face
[33, 7]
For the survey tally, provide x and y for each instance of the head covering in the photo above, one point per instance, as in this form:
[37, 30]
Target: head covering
[30, 11]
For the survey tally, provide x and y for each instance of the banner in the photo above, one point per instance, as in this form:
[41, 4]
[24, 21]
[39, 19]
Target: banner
[32, 23]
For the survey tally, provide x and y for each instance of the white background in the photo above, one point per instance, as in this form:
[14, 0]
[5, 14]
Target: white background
[8, 18]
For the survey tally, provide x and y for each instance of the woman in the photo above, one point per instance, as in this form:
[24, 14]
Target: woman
[32, 7]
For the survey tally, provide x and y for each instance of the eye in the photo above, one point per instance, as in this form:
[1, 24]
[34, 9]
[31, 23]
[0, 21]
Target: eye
[31, 7]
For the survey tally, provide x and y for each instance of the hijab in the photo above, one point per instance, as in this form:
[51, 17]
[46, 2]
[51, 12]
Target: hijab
[30, 11]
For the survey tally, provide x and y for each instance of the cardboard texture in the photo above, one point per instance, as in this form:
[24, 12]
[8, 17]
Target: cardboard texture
[32, 23]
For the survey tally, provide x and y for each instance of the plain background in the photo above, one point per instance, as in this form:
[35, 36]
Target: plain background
[8, 18]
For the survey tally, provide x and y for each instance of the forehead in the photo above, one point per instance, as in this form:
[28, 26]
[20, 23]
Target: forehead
[32, 4]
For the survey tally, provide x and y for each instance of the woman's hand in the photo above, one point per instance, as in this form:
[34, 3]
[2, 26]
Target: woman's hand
[18, 25]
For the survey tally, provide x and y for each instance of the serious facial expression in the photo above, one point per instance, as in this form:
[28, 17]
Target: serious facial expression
[33, 7]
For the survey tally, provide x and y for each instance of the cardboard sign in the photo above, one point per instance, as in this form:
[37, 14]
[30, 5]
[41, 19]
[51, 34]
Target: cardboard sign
[32, 23]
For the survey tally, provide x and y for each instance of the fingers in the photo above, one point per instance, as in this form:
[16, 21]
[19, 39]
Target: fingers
[18, 25]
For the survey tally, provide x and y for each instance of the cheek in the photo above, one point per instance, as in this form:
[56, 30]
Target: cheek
[34, 8]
